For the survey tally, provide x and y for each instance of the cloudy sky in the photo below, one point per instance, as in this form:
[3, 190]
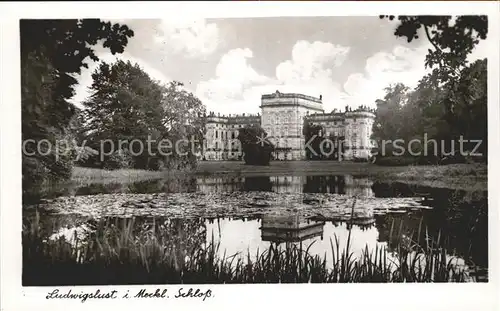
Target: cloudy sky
[230, 63]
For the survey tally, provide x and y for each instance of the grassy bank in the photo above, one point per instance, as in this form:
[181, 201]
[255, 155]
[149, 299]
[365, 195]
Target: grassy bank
[115, 254]
[469, 177]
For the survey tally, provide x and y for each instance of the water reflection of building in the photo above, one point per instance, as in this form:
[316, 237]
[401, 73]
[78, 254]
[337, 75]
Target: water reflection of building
[234, 184]
[362, 223]
[261, 183]
[279, 184]
[219, 184]
[337, 184]
[358, 186]
[324, 184]
[292, 228]
[287, 184]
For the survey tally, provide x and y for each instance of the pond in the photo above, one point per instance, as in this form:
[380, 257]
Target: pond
[244, 216]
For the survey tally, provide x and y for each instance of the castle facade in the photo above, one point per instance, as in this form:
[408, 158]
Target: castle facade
[283, 116]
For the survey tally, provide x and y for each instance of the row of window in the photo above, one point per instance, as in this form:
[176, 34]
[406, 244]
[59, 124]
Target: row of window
[224, 135]
[221, 145]
[218, 125]
[222, 156]
[334, 123]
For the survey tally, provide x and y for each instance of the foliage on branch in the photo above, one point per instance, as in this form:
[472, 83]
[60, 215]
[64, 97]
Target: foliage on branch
[127, 105]
[448, 104]
[443, 112]
[52, 52]
[452, 38]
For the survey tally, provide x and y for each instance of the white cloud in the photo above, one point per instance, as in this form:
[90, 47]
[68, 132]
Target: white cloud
[310, 71]
[237, 87]
[402, 65]
[85, 78]
[311, 61]
[233, 75]
[195, 38]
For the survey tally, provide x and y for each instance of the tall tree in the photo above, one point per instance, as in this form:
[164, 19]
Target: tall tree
[451, 101]
[126, 105]
[444, 112]
[469, 98]
[52, 52]
[65, 45]
[389, 122]
[183, 115]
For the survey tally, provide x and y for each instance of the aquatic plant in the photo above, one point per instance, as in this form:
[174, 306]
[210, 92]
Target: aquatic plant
[120, 252]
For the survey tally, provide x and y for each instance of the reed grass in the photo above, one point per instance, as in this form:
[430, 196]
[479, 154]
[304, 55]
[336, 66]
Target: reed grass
[119, 253]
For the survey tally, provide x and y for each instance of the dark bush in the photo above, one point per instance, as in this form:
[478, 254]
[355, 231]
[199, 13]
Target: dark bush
[156, 164]
[119, 159]
[257, 149]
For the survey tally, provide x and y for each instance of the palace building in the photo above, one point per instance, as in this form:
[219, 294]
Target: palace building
[283, 116]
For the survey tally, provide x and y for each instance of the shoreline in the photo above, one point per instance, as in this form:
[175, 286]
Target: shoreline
[467, 177]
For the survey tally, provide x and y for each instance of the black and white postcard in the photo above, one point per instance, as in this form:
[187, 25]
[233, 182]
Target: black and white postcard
[213, 155]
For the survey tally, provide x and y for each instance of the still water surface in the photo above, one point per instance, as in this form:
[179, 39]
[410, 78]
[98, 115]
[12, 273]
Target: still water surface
[458, 218]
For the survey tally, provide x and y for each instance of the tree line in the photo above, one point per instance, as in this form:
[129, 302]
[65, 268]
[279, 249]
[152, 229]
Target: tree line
[125, 103]
[446, 113]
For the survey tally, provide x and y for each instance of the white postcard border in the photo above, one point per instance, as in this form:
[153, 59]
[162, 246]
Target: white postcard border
[334, 296]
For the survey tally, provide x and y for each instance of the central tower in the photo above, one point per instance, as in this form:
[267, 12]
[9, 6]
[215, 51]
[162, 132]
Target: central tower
[283, 120]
